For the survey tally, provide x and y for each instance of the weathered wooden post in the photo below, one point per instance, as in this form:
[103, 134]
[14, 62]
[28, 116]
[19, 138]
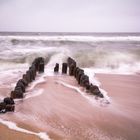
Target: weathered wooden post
[9, 101]
[64, 68]
[81, 72]
[2, 107]
[20, 85]
[71, 65]
[75, 71]
[28, 74]
[17, 93]
[25, 78]
[56, 68]
[71, 70]
[41, 65]
[10, 108]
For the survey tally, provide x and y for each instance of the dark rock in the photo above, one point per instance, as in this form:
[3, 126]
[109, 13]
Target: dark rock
[56, 68]
[64, 68]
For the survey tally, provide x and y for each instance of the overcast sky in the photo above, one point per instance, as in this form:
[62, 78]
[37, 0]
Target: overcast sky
[70, 15]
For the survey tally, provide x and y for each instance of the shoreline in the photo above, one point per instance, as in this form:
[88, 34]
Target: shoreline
[65, 109]
[9, 134]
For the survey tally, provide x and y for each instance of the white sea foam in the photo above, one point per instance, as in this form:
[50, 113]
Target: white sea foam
[75, 38]
[39, 79]
[13, 126]
[104, 57]
[94, 81]
[90, 73]
[31, 92]
[102, 101]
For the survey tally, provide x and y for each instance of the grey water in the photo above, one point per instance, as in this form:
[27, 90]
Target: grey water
[105, 52]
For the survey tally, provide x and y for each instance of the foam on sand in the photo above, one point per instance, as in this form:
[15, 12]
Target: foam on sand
[102, 101]
[31, 92]
[13, 126]
[39, 80]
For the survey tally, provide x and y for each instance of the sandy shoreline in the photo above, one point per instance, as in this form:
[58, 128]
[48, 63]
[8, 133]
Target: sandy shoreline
[8, 134]
[65, 114]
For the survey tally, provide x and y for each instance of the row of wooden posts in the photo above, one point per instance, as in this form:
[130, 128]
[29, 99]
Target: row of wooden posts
[80, 76]
[37, 66]
[8, 103]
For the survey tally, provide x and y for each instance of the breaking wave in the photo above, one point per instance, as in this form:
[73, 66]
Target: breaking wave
[117, 54]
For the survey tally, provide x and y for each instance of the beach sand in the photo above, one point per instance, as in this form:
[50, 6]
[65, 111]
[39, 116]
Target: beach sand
[67, 115]
[7, 134]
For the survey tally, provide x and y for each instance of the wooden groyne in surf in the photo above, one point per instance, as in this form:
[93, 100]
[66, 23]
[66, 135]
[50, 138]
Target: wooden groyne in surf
[37, 66]
[8, 104]
[80, 76]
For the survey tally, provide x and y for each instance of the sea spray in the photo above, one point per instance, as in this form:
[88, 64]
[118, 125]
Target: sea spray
[103, 53]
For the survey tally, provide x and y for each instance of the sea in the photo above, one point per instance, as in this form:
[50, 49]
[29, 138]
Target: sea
[96, 53]
[103, 52]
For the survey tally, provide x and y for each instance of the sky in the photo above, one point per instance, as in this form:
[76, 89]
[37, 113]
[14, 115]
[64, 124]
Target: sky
[70, 15]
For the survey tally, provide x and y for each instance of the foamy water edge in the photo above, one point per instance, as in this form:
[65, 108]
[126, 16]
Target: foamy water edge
[13, 126]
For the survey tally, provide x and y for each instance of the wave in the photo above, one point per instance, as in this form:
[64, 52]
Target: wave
[23, 58]
[99, 59]
[103, 60]
[117, 54]
[80, 38]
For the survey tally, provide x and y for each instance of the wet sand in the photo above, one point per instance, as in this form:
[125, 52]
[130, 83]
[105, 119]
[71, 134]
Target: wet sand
[66, 115]
[7, 134]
